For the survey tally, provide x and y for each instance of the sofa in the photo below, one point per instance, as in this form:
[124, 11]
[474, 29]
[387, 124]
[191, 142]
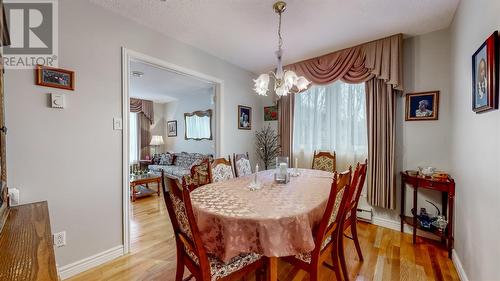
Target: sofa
[176, 165]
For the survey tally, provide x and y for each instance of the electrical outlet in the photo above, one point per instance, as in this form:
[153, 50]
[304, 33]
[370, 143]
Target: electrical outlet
[60, 239]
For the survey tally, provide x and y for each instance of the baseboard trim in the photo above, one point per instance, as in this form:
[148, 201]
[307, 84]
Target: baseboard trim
[387, 223]
[85, 264]
[458, 266]
[396, 225]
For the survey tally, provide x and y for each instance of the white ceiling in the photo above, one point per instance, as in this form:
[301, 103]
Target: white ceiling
[243, 32]
[161, 86]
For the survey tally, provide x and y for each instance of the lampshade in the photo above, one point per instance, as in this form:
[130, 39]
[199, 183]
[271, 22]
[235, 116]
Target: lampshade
[156, 140]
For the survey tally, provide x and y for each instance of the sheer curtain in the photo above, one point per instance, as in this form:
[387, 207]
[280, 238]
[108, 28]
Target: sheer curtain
[332, 118]
[133, 142]
[198, 127]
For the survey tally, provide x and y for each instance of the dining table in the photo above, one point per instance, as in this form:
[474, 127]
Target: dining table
[274, 220]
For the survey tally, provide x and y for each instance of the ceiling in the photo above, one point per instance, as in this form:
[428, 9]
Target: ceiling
[161, 85]
[243, 32]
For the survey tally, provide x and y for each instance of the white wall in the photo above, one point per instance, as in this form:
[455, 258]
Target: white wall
[72, 157]
[175, 111]
[474, 146]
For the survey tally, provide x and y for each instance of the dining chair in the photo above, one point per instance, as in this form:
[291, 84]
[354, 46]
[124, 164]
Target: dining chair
[199, 174]
[191, 252]
[242, 165]
[327, 234]
[221, 169]
[324, 161]
[349, 216]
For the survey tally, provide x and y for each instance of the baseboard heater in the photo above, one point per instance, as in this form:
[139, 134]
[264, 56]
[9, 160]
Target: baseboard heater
[365, 214]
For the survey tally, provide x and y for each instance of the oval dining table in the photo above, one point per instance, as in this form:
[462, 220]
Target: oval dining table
[276, 220]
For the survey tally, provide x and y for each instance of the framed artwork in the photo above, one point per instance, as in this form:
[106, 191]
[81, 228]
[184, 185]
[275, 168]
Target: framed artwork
[55, 77]
[422, 106]
[485, 75]
[271, 113]
[172, 128]
[244, 117]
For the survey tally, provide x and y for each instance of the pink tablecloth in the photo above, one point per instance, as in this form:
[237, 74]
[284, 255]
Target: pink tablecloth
[274, 221]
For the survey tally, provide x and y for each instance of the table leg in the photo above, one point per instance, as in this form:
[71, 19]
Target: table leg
[403, 192]
[451, 202]
[132, 192]
[158, 189]
[272, 270]
[444, 202]
[415, 222]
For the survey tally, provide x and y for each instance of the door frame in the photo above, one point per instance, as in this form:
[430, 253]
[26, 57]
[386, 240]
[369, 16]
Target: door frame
[127, 56]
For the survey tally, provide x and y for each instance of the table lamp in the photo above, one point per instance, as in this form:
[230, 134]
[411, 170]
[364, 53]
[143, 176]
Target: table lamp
[156, 141]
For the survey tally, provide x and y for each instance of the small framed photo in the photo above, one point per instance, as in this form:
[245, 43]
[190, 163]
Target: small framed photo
[422, 106]
[271, 113]
[55, 77]
[244, 117]
[485, 75]
[172, 128]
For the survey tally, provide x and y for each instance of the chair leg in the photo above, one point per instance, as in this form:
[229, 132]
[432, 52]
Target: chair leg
[335, 259]
[342, 258]
[179, 272]
[313, 275]
[354, 230]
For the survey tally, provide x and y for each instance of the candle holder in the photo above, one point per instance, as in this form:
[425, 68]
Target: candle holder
[281, 174]
[255, 183]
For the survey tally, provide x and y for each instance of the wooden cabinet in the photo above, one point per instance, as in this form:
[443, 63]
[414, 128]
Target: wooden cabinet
[26, 246]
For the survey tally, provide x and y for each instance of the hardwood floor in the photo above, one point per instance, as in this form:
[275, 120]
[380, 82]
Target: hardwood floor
[389, 254]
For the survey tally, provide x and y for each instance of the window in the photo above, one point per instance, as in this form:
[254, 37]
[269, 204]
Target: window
[332, 118]
[133, 138]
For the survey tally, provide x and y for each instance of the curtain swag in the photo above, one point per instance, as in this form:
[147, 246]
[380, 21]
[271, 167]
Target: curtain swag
[378, 64]
[381, 59]
[143, 106]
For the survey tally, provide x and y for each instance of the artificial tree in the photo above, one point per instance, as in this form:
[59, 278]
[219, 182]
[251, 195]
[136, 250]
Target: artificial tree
[267, 146]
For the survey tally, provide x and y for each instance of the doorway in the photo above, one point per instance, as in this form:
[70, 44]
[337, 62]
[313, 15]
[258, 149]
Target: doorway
[157, 99]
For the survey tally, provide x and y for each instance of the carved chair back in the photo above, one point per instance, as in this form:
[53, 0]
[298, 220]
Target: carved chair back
[221, 169]
[200, 174]
[242, 165]
[324, 161]
[190, 249]
[330, 224]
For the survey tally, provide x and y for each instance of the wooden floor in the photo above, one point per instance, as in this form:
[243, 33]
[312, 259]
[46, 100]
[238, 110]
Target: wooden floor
[389, 254]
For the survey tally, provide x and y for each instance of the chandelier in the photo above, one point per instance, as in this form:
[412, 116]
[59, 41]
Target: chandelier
[285, 81]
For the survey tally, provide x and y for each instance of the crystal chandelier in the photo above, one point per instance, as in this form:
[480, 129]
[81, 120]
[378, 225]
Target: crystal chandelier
[285, 81]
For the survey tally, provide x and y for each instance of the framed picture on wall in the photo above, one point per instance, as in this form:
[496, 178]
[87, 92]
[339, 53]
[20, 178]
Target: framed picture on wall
[422, 106]
[172, 128]
[485, 75]
[244, 117]
[271, 113]
[55, 77]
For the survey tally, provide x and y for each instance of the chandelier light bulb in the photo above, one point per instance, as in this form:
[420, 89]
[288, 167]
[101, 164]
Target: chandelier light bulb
[284, 80]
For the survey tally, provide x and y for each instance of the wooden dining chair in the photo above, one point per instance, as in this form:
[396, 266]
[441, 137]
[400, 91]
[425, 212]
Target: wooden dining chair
[200, 174]
[349, 216]
[221, 169]
[190, 250]
[327, 235]
[324, 161]
[242, 165]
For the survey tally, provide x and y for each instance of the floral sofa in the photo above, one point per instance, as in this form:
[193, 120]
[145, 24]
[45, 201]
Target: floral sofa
[176, 165]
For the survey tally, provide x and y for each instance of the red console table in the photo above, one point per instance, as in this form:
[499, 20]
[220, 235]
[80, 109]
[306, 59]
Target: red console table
[447, 189]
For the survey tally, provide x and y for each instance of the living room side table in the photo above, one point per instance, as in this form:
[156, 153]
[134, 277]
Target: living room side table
[137, 180]
[447, 189]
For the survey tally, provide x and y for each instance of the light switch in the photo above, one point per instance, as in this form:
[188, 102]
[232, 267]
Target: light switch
[117, 123]
[57, 100]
